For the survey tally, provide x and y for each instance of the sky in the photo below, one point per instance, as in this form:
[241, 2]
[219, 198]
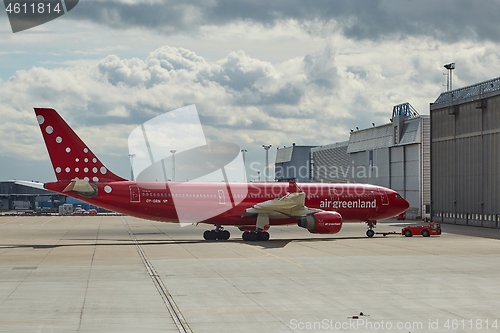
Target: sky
[259, 72]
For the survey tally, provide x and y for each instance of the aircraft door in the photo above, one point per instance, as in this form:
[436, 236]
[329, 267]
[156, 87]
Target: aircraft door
[134, 193]
[384, 198]
[222, 198]
[334, 194]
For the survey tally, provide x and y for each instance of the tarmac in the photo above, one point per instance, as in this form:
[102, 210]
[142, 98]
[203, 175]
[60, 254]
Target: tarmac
[122, 274]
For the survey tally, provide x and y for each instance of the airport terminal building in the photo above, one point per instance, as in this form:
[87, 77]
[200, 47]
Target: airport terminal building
[465, 150]
[19, 196]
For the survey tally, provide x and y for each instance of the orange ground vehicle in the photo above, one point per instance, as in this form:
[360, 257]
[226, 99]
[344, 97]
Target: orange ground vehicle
[433, 228]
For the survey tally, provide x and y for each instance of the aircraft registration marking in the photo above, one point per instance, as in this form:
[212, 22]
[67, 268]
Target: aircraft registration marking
[156, 201]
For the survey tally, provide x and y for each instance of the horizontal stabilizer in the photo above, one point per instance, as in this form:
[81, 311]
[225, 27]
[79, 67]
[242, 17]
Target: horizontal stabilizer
[29, 184]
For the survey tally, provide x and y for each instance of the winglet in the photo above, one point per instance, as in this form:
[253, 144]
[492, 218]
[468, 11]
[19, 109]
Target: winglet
[70, 156]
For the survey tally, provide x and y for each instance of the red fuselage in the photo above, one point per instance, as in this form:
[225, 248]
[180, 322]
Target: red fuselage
[225, 203]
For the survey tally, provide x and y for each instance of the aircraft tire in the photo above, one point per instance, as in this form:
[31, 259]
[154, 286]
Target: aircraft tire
[206, 235]
[244, 236]
[263, 236]
[252, 236]
[213, 235]
[224, 235]
[370, 233]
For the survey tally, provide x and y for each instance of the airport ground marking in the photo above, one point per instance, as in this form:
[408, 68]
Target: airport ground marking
[169, 301]
[273, 255]
[49, 220]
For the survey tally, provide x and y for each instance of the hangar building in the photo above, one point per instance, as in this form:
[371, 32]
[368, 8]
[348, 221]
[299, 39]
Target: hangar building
[394, 155]
[465, 150]
[293, 163]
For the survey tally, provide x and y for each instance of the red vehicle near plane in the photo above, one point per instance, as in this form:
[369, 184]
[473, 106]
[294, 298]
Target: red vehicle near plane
[252, 207]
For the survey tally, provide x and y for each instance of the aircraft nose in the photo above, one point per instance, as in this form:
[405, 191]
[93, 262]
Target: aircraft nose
[406, 204]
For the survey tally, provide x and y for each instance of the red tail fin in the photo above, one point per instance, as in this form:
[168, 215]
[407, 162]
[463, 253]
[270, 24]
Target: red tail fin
[70, 156]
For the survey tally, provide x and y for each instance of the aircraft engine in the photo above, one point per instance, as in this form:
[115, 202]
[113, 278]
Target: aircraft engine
[322, 222]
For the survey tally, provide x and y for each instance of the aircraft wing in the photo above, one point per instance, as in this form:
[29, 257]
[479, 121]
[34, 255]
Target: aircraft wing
[291, 205]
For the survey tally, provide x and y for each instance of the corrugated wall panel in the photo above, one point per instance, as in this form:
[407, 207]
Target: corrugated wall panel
[466, 165]
[426, 161]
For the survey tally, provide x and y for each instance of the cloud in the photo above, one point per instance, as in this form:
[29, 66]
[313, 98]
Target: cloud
[240, 98]
[446, 20]
[312, 99]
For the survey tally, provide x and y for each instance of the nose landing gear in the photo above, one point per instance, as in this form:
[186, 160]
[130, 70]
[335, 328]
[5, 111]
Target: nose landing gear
[371, 225]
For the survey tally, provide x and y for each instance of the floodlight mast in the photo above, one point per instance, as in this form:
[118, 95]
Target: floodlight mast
[266, 167]
[173, 151]
[449, 80]
[131, 166]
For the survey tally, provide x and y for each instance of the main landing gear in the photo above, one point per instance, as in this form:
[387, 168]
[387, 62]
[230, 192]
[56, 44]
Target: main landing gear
[252, 236]
[371, 225]
[217, 234]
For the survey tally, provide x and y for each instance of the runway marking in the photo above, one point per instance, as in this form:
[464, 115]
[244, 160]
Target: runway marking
[49, 220]
[172, 308]
[273, 255]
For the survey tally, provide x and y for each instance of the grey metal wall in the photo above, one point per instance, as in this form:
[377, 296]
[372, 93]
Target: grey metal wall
[465, 146]
[296, 165]
[396, 167]
[426, 166]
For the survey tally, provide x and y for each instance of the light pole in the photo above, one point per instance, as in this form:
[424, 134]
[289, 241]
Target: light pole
[266, 147]
[131, 166]
[243, 151]
[449, 81]
[173, 151]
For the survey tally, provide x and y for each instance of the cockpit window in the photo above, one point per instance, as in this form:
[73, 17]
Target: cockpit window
[398, 196]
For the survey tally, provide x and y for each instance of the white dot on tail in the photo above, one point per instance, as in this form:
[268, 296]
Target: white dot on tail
[85, 150]
[68, 149]
[49, 129]
[77, 160]
[40, 120]
[107, 189]
[86, 160]
[86, 178]
[68, 169]
[58, 170]
[58, 139]
[86, 170]
[94, 160]
[103, 170]
[95, 179]
[94, 170]
[77, 169]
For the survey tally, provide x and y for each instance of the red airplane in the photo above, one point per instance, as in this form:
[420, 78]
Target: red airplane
[252, 207]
